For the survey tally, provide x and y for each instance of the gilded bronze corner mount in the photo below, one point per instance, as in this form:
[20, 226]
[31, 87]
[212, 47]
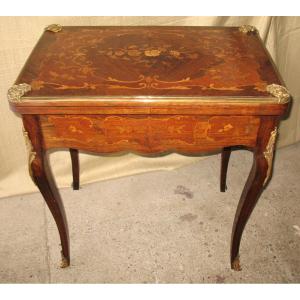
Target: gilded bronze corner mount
[268, 154]
[16, 92]
[248, 29]
[280, 92]
[54, 28]
[31, 153]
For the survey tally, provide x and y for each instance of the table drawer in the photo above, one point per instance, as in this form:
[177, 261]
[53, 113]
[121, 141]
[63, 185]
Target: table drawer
[147, 134]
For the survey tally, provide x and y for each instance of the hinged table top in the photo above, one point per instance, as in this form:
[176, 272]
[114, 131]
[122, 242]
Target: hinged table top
[75, 62]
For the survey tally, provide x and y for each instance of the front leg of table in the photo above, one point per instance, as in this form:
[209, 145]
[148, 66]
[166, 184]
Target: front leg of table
[259, 175]
[41, 175]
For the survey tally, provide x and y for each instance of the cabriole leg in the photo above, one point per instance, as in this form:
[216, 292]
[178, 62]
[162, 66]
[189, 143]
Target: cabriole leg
[41, 175]
[257, 180]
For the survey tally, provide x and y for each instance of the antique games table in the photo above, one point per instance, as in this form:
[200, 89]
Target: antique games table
[151, 91]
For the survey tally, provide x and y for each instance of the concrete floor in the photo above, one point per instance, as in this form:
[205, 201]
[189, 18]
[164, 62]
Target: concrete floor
[159, 227]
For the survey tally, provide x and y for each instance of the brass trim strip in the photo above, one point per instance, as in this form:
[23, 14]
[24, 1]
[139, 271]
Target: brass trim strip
[269, 153]
[16, 95]
[151, 99]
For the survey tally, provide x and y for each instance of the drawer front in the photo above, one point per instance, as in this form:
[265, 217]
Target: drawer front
[148, 134]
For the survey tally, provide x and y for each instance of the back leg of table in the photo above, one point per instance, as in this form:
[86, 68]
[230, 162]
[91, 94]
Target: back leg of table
[75, 168]
[224, 166]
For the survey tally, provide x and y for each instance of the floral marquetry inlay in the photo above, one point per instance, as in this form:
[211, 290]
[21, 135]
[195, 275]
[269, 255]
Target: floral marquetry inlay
[149, 82]
[149, 61]
[144, 52]
[152, 53]
[147, 134]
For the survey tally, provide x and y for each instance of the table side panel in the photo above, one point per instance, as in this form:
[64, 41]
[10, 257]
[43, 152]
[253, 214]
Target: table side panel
[146, 134]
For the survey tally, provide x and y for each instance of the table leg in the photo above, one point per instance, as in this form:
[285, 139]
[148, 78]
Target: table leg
[224, 166]
[258, 177]
[41, 175]
[75, 168]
